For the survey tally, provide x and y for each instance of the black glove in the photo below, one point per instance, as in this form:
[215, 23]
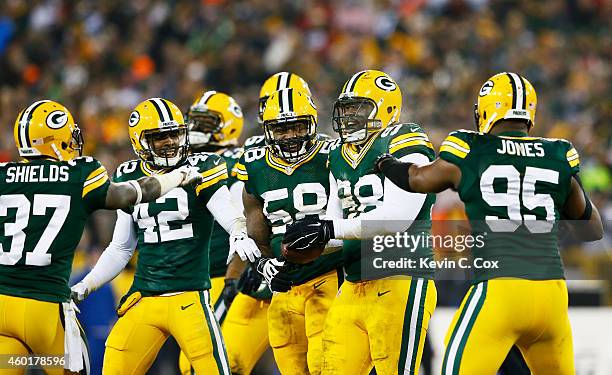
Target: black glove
[253, 285]
[273, 271]
[306, 233]
[229, 292]
[380, 160]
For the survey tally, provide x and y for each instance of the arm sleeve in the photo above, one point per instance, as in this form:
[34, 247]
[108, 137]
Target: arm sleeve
[225, 212]
[236, 192]
[390, 217]
[334, 206]
[116, 255]
[334, 209]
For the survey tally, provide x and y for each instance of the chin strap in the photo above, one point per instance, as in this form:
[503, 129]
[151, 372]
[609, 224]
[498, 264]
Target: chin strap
[57, 152]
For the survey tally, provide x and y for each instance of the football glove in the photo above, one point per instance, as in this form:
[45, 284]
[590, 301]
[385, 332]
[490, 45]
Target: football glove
[380, 160]
[306, 233]
[253, 285]
[230, 289]
[80, 291]
[190, 175]
[273, 272]
[244, 246]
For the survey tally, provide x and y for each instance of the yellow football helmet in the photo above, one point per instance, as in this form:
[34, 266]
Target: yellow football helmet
[505, 96]
[369, 101]
[290, 124]
[279, 81]
[158, 133]
[215, 121]
[46, 129]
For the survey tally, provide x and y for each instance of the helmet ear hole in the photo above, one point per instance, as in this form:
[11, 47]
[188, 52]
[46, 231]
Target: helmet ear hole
[484, 115]
[389, 109]
[64, 145]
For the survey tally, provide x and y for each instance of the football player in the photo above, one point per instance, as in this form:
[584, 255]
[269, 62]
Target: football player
[215, 123]
[45, 201]
[376, 320]
[277, 81]
[515, 188]
[170, 293]
[285, 181]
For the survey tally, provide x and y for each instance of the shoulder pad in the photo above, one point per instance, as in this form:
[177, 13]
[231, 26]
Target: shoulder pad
[82, 160]
[457, 144]
[233, 153]
[126, 167]
[407, 138]
[255, 141]
[253, 154]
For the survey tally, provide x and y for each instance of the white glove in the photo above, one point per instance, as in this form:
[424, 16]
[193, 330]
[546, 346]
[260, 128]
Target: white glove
[272, 271]
[80, 291]
[190, 174]
[245, 247]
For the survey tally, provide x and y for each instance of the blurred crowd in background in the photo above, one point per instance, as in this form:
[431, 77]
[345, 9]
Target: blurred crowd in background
[101, 58]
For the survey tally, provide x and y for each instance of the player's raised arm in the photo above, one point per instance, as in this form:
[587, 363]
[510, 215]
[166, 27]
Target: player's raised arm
[146, 189]
[429, 178]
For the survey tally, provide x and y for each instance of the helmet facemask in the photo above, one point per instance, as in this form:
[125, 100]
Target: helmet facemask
[165, 148]
[292, 138]
[68, 149]
[262, 107]
[76, 141]
[354, 119]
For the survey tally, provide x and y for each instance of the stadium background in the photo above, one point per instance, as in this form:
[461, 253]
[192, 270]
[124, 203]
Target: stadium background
[101, 58]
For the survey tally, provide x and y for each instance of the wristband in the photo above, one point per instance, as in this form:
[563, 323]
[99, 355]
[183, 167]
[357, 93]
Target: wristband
[136, 187]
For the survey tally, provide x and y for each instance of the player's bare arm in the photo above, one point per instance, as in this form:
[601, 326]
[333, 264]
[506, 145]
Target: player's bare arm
[256, 223]
[147, 189]
[268, 266]
[429, 178]
[580, 207]
[235, 268]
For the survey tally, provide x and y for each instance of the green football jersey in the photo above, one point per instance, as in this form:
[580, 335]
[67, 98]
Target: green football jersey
[174, 232]
[219, 242]
[361, 190]
[260, 140]
[289, 192]
[254, 141]
[513, 186]
[43, 209]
